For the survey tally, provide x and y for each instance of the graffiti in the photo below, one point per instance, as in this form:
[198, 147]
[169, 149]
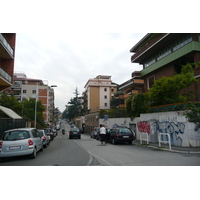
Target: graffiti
[176, 131]
[144, 127]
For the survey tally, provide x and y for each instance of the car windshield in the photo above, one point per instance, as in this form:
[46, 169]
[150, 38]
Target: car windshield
[16, 135]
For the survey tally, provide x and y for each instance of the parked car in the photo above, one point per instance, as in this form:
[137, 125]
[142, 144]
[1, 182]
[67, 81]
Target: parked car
[45, 138]
[121, 134]
[107, 134]
[93, 134]
[20, 142]
[74, 133]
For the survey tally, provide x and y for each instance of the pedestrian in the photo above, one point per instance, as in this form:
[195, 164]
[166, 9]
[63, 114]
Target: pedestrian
[102, 134]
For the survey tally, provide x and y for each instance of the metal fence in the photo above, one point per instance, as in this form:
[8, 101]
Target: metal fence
[6, 124]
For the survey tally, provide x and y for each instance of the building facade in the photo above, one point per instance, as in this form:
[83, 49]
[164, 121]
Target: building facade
[163, 54]
[97, 96]
[98, 93]
[26, 88]
[133, 86]
[7, 56]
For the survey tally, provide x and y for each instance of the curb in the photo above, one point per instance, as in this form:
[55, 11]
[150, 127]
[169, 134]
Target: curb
[174, 151]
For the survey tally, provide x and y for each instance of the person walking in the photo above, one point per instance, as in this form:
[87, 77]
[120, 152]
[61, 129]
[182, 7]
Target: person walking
[102, 134]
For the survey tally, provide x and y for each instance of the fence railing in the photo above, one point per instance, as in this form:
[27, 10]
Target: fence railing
[160, 137]
[144, 137]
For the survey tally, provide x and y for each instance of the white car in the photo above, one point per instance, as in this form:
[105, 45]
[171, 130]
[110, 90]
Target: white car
[57, 127]
[20, 142]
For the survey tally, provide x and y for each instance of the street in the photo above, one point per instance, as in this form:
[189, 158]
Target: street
[86, 151]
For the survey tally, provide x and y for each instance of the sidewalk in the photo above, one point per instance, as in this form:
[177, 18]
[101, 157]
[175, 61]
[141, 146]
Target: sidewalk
[165, 147]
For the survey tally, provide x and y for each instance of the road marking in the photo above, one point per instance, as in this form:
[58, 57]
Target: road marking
[92, 155]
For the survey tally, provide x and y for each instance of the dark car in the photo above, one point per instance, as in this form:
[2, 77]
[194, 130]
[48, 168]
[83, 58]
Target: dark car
[121, 134]
[74, 133]
[107, 134]
[49, 132]
[94, 133]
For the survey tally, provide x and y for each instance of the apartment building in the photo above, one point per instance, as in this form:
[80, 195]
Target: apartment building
[7, 55]
[25, 88]
[163, 54]
[134, 85]
[98, 93]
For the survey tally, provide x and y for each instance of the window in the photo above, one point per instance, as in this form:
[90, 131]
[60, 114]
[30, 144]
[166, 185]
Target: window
[182, 41]
[34, 91]
[105, 89]
[112, 90]
[150, 81]
[105, 104]
[24, 91]
[105, 97]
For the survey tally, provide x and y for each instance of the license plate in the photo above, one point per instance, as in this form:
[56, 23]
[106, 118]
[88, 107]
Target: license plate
[75, 132]
[15, 148]
[125, 136]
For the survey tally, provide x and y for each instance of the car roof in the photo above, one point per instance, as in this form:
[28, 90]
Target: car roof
[23, 129]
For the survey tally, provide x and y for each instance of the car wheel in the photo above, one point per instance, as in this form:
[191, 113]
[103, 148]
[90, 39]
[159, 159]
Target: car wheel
[113, 141]
[41, 148]
[34, 154]
[79, 137]
[130, 142]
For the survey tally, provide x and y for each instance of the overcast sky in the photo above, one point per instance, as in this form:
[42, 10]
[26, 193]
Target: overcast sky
[69, 60]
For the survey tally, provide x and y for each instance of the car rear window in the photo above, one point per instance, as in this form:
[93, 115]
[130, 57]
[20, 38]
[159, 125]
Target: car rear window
[74, 129]
[40, 133]
[124, 130]
[16, 135]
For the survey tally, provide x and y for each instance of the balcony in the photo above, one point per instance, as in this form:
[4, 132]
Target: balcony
[5, 79]
[6, 51]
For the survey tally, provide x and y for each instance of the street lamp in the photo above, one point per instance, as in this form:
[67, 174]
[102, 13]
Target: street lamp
[36, 102]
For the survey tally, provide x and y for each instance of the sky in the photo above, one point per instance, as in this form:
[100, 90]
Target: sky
[69, 60]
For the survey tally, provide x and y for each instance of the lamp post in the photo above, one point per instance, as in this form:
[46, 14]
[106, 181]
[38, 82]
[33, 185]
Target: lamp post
[36, 102]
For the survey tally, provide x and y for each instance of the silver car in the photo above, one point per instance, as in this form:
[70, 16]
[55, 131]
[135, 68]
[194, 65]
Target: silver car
[20, 142]
[45, 138]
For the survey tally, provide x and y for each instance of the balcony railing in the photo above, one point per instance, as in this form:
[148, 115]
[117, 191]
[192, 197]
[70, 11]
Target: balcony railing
[6, 45]
[5, 75]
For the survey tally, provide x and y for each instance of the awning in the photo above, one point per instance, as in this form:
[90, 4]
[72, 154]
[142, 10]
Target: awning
[10, 113]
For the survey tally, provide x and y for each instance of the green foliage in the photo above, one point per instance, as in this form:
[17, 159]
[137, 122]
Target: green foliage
[25, 109]
[137, 104]
[74, 108]
[11, 102]
[29, 110]
[194, 115]
[114, 113]
[169, 90]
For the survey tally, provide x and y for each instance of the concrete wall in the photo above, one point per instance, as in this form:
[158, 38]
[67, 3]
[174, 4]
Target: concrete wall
[181, 131]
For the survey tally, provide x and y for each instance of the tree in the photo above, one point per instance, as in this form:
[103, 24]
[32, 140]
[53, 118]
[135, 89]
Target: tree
[137, 104]
[11, 102]
[74, 107]
[29, 111]
[168, 90]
